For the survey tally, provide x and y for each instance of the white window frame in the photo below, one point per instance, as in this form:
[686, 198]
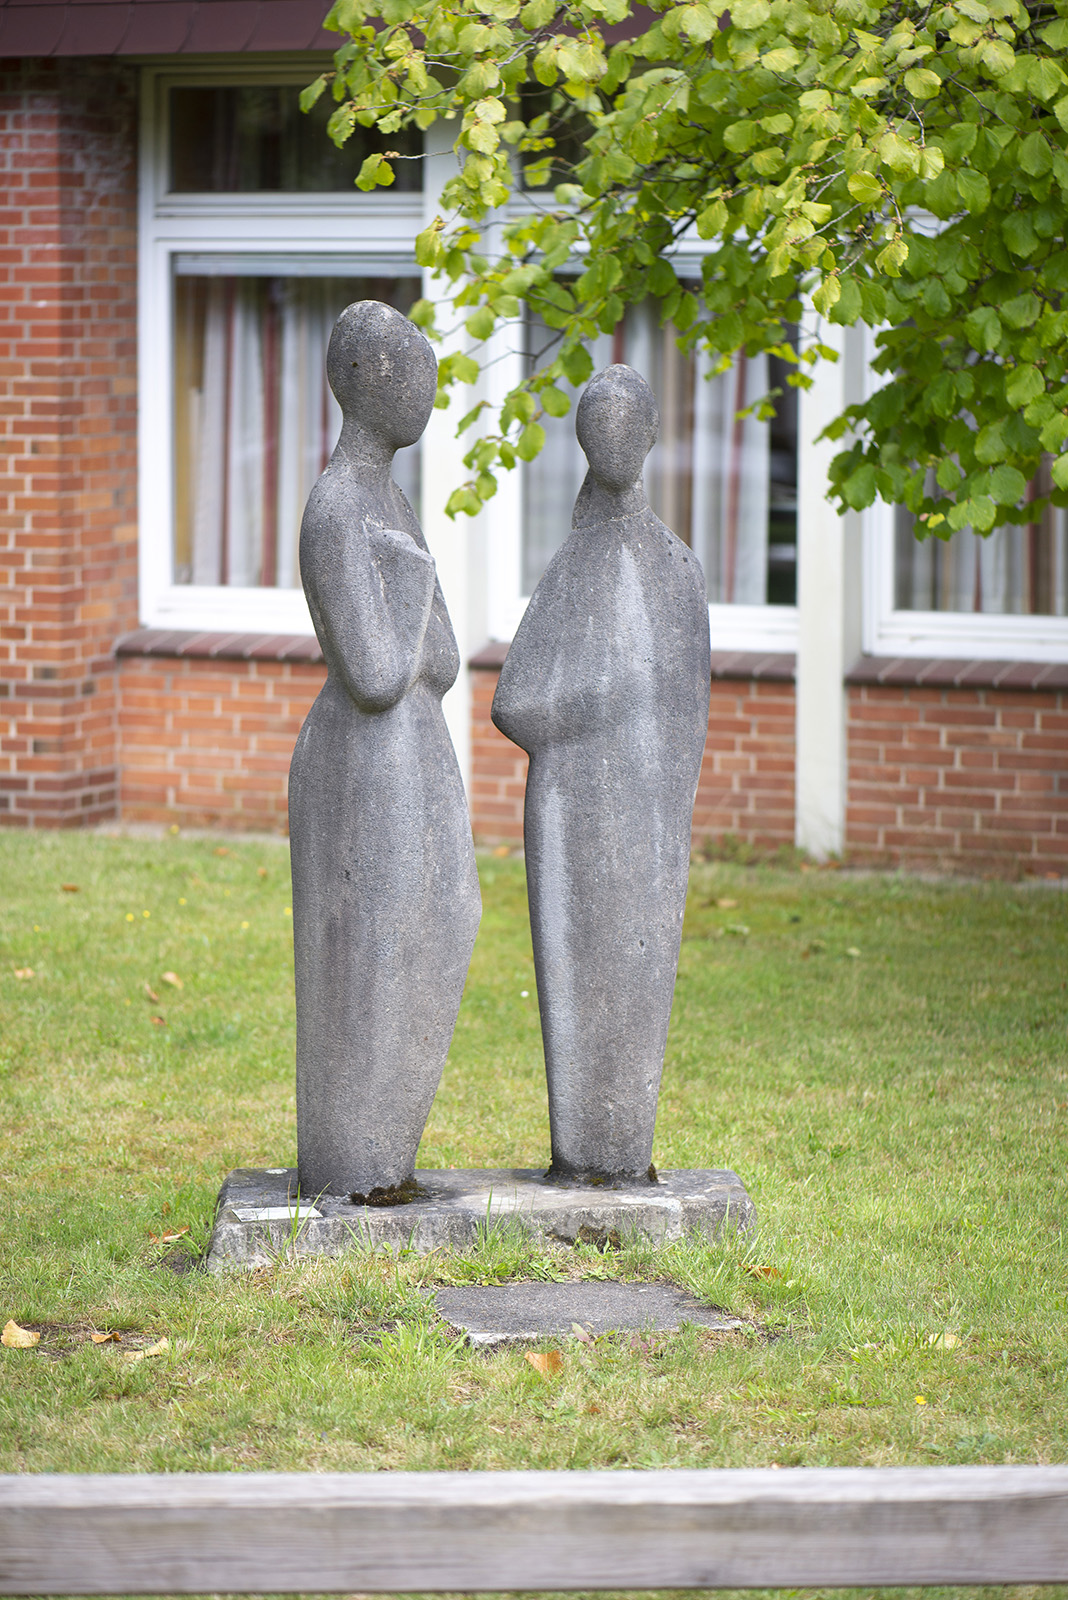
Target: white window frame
[357, 235]
[951, 635]
[954, 635]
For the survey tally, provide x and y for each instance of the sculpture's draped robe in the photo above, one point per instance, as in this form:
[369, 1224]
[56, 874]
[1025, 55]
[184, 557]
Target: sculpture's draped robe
[385, 891]
[606, 686]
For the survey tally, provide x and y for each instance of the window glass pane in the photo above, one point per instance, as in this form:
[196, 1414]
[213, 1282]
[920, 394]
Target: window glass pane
[1017, 571]
[255, 421]
[254, 138]
[726, 485]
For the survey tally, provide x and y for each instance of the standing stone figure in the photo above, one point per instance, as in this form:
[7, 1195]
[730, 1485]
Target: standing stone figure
[606, 686]
[385, 893]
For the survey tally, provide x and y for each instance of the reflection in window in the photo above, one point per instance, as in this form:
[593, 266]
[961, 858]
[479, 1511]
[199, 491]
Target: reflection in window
[726, 485]
[255, 421]
[254, 138]
[1019, 571]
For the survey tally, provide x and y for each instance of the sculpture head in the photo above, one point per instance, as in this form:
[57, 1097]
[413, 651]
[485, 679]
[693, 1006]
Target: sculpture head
[617, 422]
[383, 372]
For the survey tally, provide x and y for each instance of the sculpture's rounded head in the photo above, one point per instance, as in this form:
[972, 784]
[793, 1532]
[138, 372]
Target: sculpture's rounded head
[383, 372]
[617, 422]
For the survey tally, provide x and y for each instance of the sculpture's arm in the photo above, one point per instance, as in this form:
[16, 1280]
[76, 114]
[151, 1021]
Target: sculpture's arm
[371, 604]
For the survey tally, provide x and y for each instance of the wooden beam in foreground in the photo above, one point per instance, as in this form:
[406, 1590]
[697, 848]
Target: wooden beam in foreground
[247, 1533]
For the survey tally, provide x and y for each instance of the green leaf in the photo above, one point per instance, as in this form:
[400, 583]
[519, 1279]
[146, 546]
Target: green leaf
[750, 13]
[698, 22]
[1059, 472]
[530, 441]
[1045, 76]
[375, 172]
[974, 189]
[982, 328]
[740, 135]
[577, 364]
[711, 220]
[555, 402]
[979, 512]
[310, 95]
[1007, 485]
[1018, 231]
[936, 301]
[828, 294]
[898, 154]
[850, 304]
[865, 187]
[1024, 385]
[859, 489]
[990, 443]
[893, 258]
[1034, 155]
[922, 83]
[1055, 433]
[1021, 311]
[429, 248]
[481, 323]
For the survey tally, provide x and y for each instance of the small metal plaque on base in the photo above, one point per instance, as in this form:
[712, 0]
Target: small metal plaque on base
[448, 1209]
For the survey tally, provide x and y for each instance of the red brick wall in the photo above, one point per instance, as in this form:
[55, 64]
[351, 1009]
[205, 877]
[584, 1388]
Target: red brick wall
[67, 432]
[959, 779]
[207, 743]
[498, 770]
[746, 787]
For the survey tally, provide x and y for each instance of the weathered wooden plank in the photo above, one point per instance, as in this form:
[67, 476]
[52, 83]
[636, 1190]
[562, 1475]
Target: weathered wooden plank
[243, 1533]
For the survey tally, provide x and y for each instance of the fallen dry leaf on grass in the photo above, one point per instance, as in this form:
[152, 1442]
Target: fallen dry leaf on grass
[17, 1338]
[174, 980]
[550, 1363]
[222, 851]
[156, 1349]
[24, 972]
[943, 1341]
[261, 872]
[71, 888]
[160, 1022]
[762, 1272]
[151, 994]
[105, 1338]
[168, 1238]
[726, 905]
[502, 850]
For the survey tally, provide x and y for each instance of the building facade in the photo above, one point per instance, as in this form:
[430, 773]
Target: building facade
[176, 242]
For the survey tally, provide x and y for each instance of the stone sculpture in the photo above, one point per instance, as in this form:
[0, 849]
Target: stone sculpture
[385, 892]
[606, 686]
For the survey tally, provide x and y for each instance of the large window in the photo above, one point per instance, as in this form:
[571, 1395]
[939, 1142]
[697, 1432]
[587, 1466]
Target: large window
[253, 238]
[254, 139]
[255, 421]
[726, 484]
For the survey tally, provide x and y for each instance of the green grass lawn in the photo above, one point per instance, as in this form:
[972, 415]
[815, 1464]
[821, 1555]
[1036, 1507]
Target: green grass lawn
[883, 1061]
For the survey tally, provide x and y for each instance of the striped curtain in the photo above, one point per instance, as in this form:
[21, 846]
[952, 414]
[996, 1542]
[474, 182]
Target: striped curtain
[255, 421]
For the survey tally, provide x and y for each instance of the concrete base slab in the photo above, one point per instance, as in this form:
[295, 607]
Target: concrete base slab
[262, 1217]
[513, 1313]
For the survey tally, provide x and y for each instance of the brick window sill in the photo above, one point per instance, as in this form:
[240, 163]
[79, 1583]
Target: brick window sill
[930, 672]
[747, 665]
[188, 644]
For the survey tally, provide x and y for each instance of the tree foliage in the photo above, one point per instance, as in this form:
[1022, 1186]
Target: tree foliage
[899, 165]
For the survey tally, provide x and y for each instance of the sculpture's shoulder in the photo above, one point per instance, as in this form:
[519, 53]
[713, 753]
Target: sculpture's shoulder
[662, 558]
[337, 503]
